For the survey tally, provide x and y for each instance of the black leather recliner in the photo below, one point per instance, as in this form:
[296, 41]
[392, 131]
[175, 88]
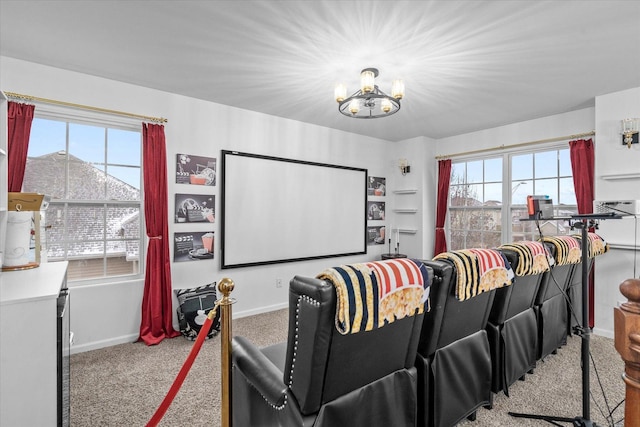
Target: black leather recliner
[454, 359]
[320, 377]
[551, 306]
[512, 327]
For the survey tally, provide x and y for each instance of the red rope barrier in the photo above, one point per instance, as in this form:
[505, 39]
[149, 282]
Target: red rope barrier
[177, 383]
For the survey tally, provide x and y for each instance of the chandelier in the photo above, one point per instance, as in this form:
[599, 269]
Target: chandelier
[369, 102]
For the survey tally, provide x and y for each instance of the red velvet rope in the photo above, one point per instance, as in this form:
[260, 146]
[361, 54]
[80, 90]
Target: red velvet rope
[177, 383]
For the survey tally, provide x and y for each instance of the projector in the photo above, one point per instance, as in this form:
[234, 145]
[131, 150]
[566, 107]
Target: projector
[622, 207]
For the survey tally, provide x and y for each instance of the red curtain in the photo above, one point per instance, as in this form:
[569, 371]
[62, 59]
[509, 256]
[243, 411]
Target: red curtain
[444, 176]
[583, 166]
[19, 118]
[157, 307]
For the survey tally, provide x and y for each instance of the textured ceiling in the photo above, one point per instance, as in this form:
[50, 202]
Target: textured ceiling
[467, 65]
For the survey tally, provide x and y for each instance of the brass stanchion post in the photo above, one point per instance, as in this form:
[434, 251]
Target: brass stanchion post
[225, 287]
[626, 323]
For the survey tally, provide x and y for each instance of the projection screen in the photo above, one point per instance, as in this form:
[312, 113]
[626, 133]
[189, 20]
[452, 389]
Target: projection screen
[276, 210]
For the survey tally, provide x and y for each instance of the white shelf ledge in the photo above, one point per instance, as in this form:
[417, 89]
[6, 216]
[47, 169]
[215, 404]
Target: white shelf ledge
[617, 176]
[405, 191]
[405, 210]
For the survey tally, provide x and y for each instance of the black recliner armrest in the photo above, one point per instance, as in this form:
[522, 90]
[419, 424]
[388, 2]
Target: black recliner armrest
[259, 371]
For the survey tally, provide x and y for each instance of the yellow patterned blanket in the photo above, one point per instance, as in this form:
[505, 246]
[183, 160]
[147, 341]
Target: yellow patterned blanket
[567, 249]
[533, 257]
[371, 294]
[597, 246]
[478, 271]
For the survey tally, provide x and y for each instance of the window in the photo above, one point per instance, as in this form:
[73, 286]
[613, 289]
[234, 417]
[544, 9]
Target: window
[487, 197]
[92, 173]
[475, 212]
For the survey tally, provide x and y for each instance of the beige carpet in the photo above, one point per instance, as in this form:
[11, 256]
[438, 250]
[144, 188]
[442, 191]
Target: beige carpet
[124, 384]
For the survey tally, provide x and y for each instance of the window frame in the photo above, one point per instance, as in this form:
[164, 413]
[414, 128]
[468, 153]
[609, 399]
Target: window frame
[90, 118]
[507, 207]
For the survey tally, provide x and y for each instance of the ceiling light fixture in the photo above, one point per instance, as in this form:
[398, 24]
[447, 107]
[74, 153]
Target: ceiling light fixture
[369, 102]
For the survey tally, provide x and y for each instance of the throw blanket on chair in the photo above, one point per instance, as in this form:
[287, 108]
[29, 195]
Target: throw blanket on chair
[597, 246]
[533, 257]
[478, 271]
[371, 293]
[567, 249]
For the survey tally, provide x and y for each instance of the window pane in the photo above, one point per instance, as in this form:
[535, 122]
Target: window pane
[547, 187]
[119, 266]
[86, 251]
[458, 219]
[123, 183]
[85, 222]
[458, 240]
[86, 143]
[457, 195]
[123, 222]
[86, 181]
[491, 240]
[123, 147]
[567, 192]
[493, 170]
[564, 160]
[45, 175]
[474, 171]
[493, 194]
[474, 195]
[522, 167]
[520, 191]
[457, 173]
[83, 269]
[546, 164]
[47, 136]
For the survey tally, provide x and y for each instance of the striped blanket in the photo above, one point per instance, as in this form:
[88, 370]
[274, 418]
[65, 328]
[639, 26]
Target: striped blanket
[478, 271]
[369, 295]
[597, 245]
[533, 257]
[567, 249]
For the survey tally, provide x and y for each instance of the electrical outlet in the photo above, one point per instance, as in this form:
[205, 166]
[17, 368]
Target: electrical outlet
[278, 283]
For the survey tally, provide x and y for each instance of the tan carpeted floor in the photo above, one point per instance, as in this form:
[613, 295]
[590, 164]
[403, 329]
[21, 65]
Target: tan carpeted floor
[124, 384]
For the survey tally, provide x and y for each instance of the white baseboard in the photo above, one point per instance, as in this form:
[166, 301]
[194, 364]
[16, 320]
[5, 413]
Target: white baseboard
[95, 345]
[267, 309]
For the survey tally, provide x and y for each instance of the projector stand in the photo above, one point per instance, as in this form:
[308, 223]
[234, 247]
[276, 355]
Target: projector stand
[582, 222]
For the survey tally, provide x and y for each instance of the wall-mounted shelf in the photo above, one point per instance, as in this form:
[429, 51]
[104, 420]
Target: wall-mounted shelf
[617, 176]
[405, 210]
[407, 230]
[405, 191]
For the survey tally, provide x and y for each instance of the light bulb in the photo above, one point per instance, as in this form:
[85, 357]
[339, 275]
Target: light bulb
[340, 92]
[385, 105]
[397, 89]
[354, 106]
[367, 81]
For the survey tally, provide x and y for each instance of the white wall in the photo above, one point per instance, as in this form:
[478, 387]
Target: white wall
[613, 162]
[109, 314]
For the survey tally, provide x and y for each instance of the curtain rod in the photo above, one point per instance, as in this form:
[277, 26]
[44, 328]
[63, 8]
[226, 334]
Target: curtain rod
[523, 144]
[84, 107]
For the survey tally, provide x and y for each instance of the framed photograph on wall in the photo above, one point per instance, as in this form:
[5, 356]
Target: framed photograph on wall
[375, 210]
[377, 186]
[194, 208]
[195, 170]
[375, 235]
[193, 246]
